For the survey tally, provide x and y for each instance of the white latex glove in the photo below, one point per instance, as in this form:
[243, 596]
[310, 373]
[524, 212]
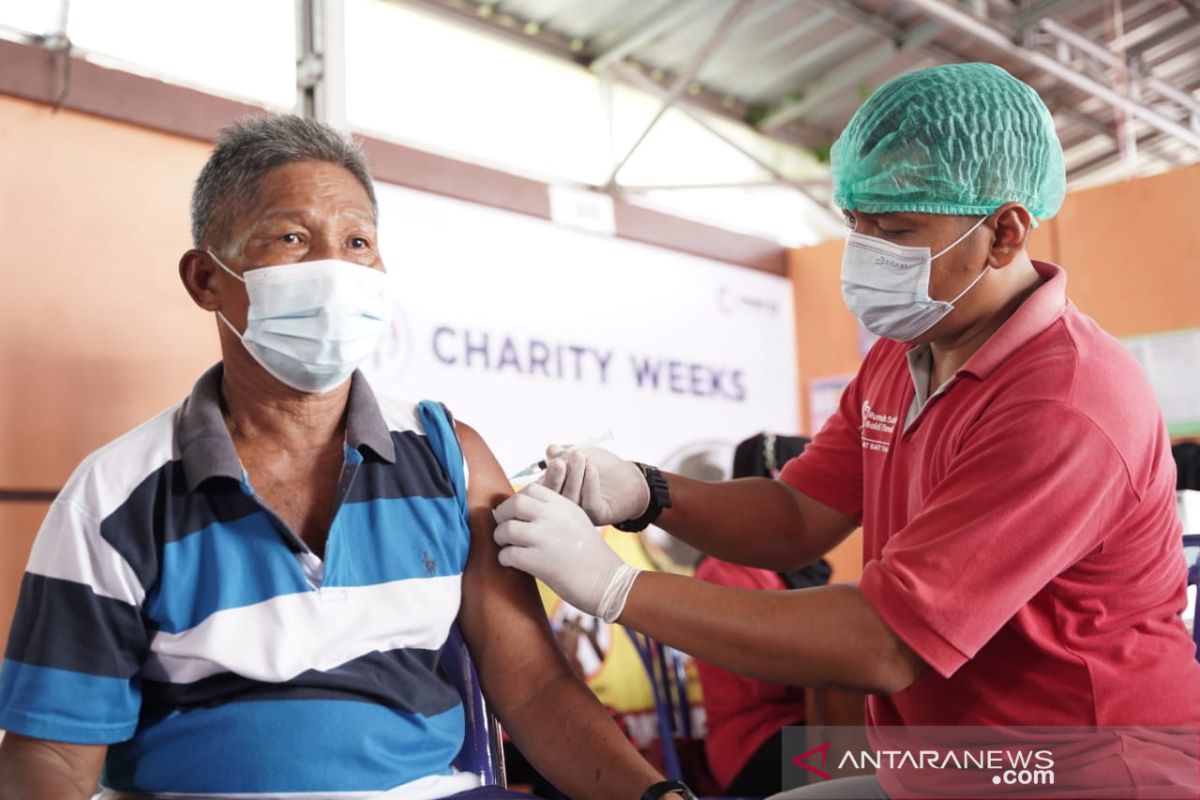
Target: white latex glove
[606, 486]
[548, 536]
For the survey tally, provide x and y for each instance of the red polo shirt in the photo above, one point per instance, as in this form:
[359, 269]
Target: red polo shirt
[1020, 531]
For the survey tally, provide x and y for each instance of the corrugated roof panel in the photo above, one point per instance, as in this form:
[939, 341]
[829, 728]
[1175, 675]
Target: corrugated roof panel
[784, 50]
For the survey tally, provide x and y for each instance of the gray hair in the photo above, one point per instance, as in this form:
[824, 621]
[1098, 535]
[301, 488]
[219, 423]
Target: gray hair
[249, 149]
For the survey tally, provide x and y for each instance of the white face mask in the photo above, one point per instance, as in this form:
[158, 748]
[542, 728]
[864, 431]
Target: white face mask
[886, 286]
[311, 324]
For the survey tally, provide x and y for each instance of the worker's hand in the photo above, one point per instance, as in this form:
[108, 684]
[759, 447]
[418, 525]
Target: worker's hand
[606, 486]
[548, 536]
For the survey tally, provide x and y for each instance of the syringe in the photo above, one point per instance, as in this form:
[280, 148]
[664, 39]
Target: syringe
[540, 465]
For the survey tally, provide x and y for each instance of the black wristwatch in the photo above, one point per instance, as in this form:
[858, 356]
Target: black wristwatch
[664, 788]
[660, 499]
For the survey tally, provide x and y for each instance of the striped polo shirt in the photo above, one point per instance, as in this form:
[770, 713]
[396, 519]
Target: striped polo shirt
[167, 612]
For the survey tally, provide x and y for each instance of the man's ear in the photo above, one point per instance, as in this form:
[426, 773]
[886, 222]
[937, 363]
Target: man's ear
[198, 273]
[1011, 225]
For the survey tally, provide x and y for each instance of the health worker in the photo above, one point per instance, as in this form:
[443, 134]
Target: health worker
[1004, 456]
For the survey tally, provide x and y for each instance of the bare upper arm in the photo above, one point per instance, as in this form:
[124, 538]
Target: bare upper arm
[502, 618]
[40, 768]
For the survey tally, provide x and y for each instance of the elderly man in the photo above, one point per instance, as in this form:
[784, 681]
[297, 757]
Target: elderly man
[1005, 457]
[247, 595]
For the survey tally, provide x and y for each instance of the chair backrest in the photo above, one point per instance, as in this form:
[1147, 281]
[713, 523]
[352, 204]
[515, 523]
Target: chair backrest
[1191, 548]
[483, 750]
[664, 668]
[668, 679]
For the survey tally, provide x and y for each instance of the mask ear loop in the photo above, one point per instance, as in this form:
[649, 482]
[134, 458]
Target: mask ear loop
[970, 285]
[221, 264]
[220, 314]
[951, 246]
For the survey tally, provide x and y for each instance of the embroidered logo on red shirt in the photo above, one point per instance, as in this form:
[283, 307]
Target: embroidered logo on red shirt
[876, 429]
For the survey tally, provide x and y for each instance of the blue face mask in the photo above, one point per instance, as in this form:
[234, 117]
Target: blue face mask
[311, 324]
[886, 286]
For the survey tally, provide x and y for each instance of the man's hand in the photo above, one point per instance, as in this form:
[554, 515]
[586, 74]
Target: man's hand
[609, 488]
[550, 537]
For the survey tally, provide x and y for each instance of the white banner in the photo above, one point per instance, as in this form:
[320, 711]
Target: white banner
[533, 333]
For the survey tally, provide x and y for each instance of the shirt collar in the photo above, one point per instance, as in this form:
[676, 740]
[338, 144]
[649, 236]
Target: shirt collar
[920, 365]
[1039, 311]
[365, 425]
[204, 444]
[207, 450]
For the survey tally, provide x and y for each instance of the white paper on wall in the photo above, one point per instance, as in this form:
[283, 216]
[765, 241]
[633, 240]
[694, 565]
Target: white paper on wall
[1172, 362]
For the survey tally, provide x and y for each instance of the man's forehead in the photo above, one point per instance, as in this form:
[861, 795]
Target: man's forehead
[303, 183]
[300, 213]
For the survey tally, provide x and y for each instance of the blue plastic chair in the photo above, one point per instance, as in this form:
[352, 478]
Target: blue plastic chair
[668, 680]
[670, 697]
[1191, 541]
[483, 749]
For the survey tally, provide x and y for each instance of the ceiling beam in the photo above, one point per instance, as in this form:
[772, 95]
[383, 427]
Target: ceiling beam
[634, 77]
[668, 18]
[846, 41]
[1001, 41]
[1108, 58]
[1034, 12]
[795, 32]
[850, 73]
[1081, 171]
[1169, 32]
[849, 10]
[524, 32]
[714, 41]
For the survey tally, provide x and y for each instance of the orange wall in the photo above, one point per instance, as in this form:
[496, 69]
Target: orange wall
[1132, 251]
[826, 332]
[1132, 255]
[93, 219]
[826, 344]
[96, 331]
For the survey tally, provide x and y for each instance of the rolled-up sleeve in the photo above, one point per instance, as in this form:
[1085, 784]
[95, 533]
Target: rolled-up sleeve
[830, 470]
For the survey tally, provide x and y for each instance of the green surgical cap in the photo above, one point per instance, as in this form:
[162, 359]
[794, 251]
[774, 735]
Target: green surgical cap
[955, 139]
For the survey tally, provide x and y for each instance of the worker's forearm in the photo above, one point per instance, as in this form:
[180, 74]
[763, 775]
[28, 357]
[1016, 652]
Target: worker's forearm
[824, 637]
[569, 728]
[753, 521]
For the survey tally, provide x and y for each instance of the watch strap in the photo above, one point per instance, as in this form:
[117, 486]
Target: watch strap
[664, 788]
[660, 500]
